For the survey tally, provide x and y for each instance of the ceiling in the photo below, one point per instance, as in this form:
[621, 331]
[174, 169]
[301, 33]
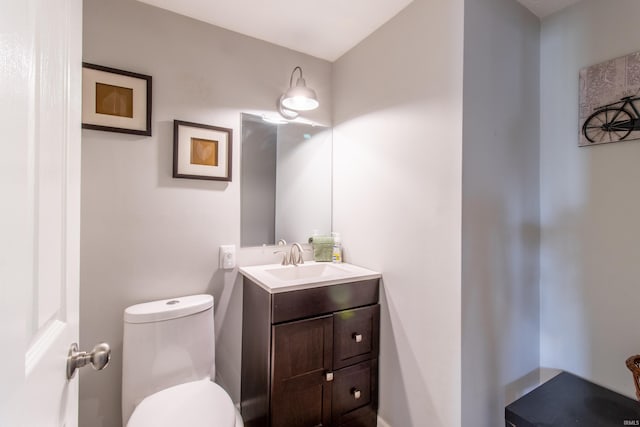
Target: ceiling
[544, 8]
[325, 29]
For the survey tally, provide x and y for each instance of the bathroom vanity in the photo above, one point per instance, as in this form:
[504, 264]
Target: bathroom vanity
[310, 340]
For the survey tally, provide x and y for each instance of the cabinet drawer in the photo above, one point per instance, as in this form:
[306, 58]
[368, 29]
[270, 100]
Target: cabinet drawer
[354, 392]
[355, 335]
[293, 305]
[367, 416]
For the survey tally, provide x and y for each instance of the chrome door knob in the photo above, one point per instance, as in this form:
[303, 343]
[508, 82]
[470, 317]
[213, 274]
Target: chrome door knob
[99, 358]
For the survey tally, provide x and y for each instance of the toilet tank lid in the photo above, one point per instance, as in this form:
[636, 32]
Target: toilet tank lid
[166, 309]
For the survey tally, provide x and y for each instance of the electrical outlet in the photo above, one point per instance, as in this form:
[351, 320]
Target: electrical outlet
[227, 257]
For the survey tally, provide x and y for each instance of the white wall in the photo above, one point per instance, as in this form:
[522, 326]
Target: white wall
[397, 200]
[146, 235]
[589, 205]
[500, 210]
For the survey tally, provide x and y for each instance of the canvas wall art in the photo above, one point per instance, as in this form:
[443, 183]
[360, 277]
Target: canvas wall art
[609, 101]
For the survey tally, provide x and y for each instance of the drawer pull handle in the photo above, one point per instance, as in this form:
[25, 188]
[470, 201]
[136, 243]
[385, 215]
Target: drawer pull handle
[328, 376]
[357, 337]
[356, 393]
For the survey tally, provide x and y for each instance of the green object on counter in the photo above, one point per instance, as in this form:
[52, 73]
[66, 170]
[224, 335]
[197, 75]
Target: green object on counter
[322, 248]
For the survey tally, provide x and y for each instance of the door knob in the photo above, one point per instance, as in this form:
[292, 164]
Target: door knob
[357, 337]
[356, 393]
[99, 358]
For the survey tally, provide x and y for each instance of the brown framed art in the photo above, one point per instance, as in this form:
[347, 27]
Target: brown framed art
[115, 100]
[201, 151]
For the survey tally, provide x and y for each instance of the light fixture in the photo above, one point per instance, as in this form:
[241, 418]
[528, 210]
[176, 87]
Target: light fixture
[284, 112]
[298, 97]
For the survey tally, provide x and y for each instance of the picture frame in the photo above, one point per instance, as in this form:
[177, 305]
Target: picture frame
[116, 100]
[201, 151]
[608, 101]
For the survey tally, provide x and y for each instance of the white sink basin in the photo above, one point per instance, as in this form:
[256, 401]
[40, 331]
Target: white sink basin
[277, 278]
[304, 271]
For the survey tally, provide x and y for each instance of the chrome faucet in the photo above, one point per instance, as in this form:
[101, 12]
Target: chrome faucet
[295, 257]
[285, 256]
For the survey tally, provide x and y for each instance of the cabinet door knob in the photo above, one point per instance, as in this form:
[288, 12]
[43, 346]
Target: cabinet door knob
[328, 376]
[357, 337]
[356, 393]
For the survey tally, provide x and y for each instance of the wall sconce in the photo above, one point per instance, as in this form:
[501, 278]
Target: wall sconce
[297, 98]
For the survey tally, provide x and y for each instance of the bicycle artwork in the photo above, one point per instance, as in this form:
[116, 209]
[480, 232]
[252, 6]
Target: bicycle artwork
[609, 95]
[612, 122]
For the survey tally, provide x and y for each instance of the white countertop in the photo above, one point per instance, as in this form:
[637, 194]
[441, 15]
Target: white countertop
[276, 278]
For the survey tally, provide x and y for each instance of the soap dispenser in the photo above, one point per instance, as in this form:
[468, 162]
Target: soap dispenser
[336, 255]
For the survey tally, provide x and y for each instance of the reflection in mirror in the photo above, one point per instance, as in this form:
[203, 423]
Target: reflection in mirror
[285, 181]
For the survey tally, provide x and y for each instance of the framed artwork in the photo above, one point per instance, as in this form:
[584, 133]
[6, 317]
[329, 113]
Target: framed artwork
[201, 151]
[115, 100]
[609, 101]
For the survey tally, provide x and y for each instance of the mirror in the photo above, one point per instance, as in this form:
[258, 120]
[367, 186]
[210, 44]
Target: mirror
[285, 181]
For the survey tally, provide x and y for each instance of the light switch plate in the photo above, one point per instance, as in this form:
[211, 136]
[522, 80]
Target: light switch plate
[227, 257]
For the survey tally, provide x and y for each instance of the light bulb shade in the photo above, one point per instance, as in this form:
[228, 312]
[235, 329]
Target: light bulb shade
[300, 97]
[285, 112]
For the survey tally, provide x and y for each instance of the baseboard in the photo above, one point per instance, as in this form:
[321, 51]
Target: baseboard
[382, 423]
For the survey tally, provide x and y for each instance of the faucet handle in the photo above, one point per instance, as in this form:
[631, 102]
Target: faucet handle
[285, 258]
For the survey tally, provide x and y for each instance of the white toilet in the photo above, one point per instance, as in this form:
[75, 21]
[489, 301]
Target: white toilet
[169, 367]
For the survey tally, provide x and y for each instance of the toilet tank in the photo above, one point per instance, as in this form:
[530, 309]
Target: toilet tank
[166, 343]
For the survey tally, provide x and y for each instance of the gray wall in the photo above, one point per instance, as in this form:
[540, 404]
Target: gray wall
[397, 194]
[500, 208]
[589, 205]
[146, 235]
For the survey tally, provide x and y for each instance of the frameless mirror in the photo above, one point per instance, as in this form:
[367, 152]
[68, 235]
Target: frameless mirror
[285, 181]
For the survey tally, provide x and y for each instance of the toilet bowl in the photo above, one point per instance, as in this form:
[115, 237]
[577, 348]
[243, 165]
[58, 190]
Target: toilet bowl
[194, 404]
[168, 363]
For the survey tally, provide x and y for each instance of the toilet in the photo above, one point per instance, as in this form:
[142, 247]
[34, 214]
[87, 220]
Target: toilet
[169, 366]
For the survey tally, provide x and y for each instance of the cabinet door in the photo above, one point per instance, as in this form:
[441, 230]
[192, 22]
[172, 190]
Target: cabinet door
[302, 353]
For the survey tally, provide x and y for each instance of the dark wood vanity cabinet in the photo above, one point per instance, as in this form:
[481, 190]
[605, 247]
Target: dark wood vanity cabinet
[310, 357]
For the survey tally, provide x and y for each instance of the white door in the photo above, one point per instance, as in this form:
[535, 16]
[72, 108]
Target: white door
[40, 72]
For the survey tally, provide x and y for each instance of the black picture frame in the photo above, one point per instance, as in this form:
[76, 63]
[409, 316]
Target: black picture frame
[220, 139]
[136, 88]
